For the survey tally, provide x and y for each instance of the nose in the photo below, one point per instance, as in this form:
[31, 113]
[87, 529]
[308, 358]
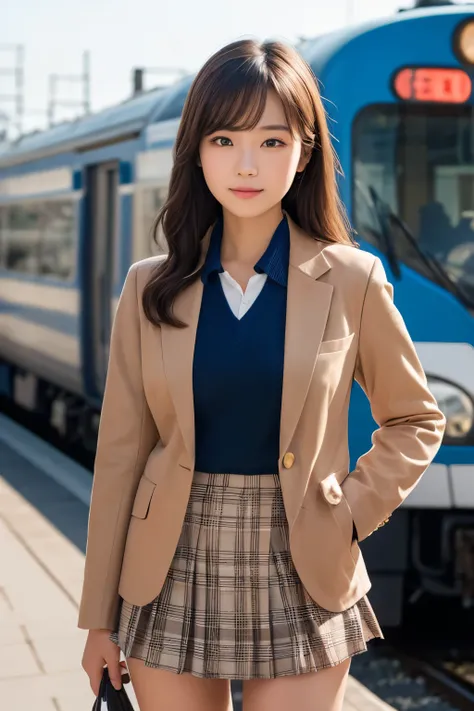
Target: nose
[246, 166]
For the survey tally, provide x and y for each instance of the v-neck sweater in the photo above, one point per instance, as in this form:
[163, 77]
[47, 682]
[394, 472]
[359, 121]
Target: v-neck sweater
[238, 370]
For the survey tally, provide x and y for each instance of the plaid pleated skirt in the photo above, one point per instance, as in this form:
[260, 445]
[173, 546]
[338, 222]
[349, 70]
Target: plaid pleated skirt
[232, 605]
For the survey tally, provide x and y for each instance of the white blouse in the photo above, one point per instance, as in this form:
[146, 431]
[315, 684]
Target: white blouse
[240, 302]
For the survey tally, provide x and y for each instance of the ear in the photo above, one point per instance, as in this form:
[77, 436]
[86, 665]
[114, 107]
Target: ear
[304, 159]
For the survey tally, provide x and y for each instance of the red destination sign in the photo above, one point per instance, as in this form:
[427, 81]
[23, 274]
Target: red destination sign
[448, 86]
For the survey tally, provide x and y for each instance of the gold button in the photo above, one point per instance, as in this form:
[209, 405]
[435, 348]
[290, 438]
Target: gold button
[288, 460]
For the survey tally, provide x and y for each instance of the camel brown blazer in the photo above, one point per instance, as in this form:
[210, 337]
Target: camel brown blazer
[341, 324]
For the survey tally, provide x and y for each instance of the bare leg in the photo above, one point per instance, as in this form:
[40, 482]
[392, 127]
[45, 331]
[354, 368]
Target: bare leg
[160, 690]
[315, 691]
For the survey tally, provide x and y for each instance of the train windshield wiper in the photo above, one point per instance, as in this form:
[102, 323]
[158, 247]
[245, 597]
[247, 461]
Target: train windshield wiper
[452, 286]
[436, 270]
[443, 277]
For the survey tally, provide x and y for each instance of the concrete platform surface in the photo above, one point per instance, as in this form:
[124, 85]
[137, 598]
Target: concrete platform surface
[42, 539]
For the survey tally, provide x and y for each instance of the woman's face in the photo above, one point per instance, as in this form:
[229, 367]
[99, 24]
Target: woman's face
[264, 159]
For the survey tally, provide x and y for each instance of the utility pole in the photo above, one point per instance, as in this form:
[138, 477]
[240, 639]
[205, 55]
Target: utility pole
[17, 73]
[139, 74]
[85, 79]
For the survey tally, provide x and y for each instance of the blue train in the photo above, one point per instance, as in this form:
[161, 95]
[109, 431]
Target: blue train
[76, 208]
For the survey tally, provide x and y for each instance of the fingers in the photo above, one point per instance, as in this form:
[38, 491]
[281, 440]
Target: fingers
[114, 671]
[95, 678]
[99, 653]
[117, 677]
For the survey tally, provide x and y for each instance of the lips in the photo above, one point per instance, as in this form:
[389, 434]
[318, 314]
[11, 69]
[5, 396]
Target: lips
[245, 193]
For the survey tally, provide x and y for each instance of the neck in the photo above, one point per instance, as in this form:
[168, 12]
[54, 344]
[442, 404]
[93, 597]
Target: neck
[245, 239]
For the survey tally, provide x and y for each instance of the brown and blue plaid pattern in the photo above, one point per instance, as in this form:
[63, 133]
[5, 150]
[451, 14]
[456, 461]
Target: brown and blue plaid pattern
[232, 605]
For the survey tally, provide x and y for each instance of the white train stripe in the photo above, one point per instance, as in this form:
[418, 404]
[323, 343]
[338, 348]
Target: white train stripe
[153, 165]
[38, 182]
[126, 189]
[462, 477]
[41, 339]
[44, 296]
[432, 491]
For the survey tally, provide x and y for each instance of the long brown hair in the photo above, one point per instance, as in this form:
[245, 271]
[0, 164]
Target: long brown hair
[230, 91]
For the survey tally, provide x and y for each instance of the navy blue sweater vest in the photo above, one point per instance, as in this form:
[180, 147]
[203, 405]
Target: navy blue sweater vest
[238, 368]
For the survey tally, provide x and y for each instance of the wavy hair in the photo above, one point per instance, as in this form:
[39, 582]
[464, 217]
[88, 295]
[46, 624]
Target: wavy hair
[230, 92]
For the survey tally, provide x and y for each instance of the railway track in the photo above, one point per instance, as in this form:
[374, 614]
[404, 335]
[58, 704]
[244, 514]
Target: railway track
[410, 678]
[453, 681]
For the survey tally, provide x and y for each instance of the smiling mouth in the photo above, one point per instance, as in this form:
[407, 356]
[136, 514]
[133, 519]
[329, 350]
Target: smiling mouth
[246, 190]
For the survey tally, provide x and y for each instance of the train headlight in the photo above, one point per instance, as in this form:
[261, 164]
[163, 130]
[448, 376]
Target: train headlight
[457, 406]
[464, 42]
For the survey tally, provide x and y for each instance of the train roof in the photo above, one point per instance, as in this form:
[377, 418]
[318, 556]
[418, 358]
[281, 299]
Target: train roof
[111, 124]
[319, 51]
[130, 117]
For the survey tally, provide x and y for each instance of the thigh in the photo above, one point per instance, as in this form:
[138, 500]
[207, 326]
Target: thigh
[315, 691]
[161, 690]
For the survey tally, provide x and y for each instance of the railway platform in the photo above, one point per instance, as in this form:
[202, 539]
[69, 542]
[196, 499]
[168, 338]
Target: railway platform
[43, 528]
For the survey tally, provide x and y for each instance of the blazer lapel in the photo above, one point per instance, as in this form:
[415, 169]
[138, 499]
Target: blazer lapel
[308, 304]
[178, 354]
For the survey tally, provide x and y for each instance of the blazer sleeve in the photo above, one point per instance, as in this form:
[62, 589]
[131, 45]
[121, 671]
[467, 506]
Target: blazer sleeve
[127, 434]
[410, 424]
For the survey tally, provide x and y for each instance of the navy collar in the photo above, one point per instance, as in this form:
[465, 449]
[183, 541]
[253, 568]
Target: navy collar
[274, 262]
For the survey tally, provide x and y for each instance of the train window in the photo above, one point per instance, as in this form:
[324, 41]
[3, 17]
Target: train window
[57, 247]
[40, 238]
[413, 166]
[22, 238]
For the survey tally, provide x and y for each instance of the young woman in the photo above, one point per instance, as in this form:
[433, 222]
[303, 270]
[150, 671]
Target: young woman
[224, 522]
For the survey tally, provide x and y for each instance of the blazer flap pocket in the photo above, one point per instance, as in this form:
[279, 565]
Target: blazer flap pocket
[338, 344]
[143, 496]
[331, 489]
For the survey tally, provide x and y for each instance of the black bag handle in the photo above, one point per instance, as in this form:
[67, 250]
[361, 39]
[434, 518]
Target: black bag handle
[115, 700]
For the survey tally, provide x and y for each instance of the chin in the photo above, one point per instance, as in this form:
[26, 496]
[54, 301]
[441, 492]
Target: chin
[247, 208]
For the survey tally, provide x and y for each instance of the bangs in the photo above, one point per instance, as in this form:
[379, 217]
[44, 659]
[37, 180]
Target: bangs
[236, 96]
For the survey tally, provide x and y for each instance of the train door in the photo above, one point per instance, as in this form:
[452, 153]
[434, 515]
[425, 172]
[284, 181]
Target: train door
[102, 197]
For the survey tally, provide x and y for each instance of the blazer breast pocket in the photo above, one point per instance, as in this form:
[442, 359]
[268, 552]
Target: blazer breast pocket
[336, 345]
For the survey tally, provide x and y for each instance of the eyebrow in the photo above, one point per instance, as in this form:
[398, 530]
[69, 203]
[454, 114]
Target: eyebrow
[274, 127]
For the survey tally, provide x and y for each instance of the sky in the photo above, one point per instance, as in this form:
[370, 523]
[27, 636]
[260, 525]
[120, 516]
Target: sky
[122, 34]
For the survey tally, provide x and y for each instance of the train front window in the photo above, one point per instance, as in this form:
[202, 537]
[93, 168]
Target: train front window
[414, 188]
